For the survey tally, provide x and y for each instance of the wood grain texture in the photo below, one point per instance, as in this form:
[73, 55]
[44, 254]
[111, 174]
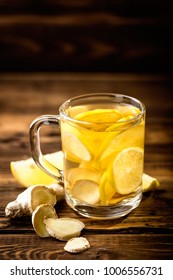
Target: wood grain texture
[147, 232]
[86, 36]
[118, 246]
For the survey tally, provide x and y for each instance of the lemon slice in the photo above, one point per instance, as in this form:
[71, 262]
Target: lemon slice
[73, 111]
[89, 165]
[107, 189]
[149, 183]
[128, 110]
[127, 170]
[99, 116]
[27, 173]
[116, 199]
[86, 191]
[116, 142]
[122, 123]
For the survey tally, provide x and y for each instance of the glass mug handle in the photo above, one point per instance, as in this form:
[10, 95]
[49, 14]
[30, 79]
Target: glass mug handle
[35, 145]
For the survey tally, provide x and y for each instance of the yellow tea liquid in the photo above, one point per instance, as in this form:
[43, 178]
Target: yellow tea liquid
[103, 152]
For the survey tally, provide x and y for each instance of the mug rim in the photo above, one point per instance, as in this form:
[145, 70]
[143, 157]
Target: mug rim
[66, 104]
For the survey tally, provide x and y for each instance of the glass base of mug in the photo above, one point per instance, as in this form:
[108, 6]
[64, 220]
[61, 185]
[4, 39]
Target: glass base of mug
[115, 211]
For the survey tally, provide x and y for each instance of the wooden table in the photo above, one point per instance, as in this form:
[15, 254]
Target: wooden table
[147, 232]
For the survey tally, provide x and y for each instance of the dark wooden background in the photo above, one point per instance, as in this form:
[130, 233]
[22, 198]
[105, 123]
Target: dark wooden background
[86, 35]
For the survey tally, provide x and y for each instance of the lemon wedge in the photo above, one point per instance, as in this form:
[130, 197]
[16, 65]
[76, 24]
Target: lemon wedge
[27, 173]
[127, 170]
[149, 183]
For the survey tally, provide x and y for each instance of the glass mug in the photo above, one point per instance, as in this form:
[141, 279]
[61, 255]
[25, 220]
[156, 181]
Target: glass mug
[102, 139]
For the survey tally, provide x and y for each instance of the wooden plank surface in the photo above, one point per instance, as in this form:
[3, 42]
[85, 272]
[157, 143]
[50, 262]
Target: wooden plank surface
[146, 233]
[86, 35]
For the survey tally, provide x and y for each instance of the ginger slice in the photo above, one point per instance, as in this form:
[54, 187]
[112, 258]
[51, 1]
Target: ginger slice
[28, 200]
[40, 213]
[64, 228]
[87, 191]
[78, 174]
[77, 245]
[42, 195]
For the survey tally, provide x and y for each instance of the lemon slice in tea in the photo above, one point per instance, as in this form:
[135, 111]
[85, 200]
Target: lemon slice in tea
[106, 188]
[116, 142]
[122, 123]
[99, 116]
[128, 110]
[127, 170]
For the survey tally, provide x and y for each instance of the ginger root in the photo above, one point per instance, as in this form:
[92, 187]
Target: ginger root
[63, 228]
[58, 190]
[39, 202]
[40, 213]
[28, 200]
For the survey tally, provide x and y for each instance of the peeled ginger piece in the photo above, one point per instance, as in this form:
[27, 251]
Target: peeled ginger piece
[87, 191]
[76, 245]
[38, 216]
[64, 228]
